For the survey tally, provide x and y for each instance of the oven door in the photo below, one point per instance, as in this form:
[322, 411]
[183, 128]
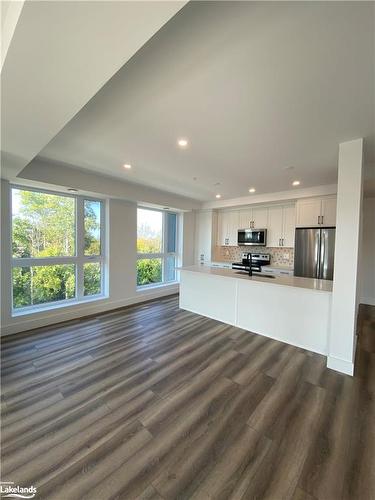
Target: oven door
[255, 237]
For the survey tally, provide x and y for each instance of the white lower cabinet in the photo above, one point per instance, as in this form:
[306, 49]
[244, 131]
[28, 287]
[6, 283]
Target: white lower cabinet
[221, 265]
[277, 272]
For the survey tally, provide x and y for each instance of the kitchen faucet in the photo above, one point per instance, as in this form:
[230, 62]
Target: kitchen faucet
[250, 261]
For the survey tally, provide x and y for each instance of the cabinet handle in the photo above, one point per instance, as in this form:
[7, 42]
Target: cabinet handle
[318, 219]
[322, 219]
[279, 242]
[282, 242]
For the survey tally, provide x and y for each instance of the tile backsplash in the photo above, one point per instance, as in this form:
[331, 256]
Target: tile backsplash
[279, 256]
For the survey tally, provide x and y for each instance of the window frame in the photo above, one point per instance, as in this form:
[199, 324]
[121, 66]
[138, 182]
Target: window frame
[79, 259]
[163, 255]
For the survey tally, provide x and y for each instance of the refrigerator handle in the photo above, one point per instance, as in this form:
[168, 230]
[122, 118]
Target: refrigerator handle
[322, 254]
[317, 254]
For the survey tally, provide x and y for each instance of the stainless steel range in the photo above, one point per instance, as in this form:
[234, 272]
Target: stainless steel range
[257, 261]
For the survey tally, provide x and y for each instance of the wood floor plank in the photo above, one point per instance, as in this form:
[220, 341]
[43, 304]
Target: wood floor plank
[153, 402]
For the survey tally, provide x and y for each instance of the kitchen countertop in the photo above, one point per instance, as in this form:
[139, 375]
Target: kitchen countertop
[294, 281]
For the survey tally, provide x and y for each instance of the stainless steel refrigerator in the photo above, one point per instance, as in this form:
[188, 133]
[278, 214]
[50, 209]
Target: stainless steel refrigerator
[314, 252]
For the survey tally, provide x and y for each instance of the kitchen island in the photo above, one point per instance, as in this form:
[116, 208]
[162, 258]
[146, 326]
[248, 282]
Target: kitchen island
[286, 308]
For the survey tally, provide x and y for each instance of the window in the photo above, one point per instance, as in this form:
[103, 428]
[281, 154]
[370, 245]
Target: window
[156, 247]
[57, 248]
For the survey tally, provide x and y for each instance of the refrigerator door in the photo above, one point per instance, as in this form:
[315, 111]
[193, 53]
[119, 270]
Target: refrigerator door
[327, 253]
[307, 252]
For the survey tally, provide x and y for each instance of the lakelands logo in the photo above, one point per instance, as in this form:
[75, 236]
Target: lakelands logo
[9, 490]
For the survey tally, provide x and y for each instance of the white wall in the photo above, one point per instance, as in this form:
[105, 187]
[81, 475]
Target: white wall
[345, 283]
[367, 261]
[121, 238]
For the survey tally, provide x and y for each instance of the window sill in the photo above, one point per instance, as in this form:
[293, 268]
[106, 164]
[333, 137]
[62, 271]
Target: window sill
[61, 305]
[144, 288]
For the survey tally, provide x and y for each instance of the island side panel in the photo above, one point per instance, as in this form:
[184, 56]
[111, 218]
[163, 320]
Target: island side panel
[294, 315]
[211, 296]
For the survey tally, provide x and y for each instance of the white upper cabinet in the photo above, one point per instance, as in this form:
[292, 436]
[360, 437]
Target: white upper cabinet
[222, 228]
[253, 218]
[281, 226]
[275, 226]
[329, 211]
[316, 212]
[260, 218]
[308, 212]
[228, 225]
[233, 225]
[245, 219]
[289, 226]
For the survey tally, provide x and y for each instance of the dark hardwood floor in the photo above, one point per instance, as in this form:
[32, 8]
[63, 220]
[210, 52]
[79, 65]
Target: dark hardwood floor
[154, 402]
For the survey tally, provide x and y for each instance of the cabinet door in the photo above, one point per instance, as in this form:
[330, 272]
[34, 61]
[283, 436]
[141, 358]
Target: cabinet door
[282, 272]
[245, 217]
[233, 226]
[260, 218]
[329, 211]
[265, 270]
[275, 226]
[222, 229]
[203, 236]
[289, 226]
[308, 212]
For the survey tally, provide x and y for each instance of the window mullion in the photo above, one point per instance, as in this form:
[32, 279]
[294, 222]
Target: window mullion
[164, 247]
[80, 244]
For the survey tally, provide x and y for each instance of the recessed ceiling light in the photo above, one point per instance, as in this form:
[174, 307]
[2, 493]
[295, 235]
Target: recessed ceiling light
[218, 196]
[72, 190]
[182, 143]
[296, 183]
[127, 166]
[252, 190]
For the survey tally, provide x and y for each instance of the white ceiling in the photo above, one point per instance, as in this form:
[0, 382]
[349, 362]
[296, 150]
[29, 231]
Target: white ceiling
[60, 54]
[256, 87]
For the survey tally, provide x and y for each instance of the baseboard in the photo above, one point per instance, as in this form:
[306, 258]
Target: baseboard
[369, 301]
[25, 323]
[340, 365]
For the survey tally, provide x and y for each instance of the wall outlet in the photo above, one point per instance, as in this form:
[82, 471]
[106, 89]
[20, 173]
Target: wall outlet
[286, 255]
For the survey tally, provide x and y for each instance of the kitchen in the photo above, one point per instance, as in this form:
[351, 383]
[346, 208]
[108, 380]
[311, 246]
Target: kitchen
[266, 268]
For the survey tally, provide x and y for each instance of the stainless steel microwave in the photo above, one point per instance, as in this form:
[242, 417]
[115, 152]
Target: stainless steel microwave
[255, 237]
